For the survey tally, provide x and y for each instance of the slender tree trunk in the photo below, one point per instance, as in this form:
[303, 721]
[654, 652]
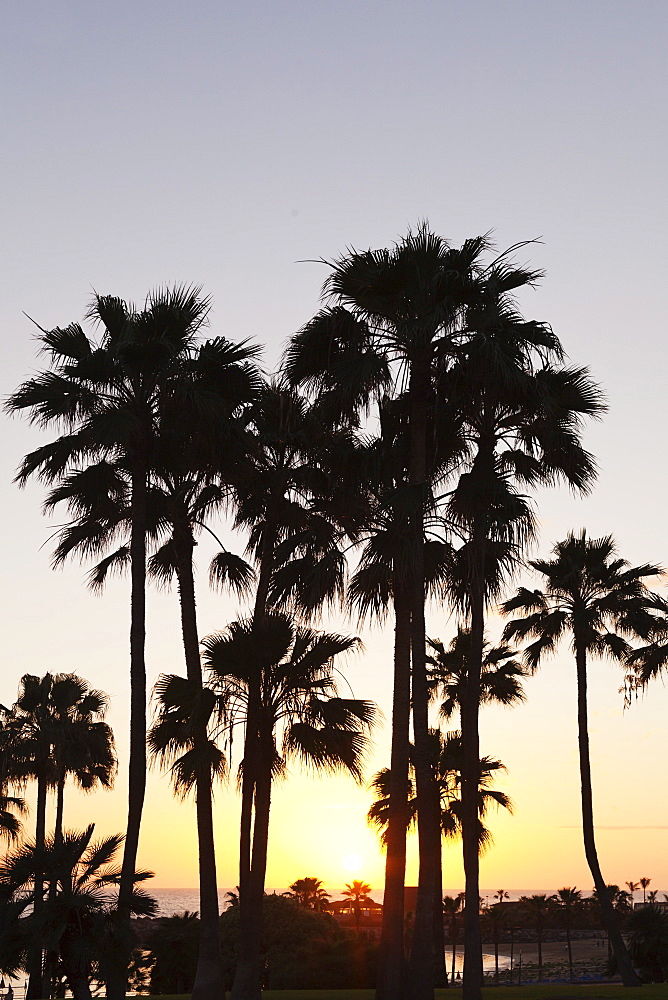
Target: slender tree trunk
[248, 973]
[247, 909]
[570, 951]
[624, 964]
[80, 987]
[35, 984]
[453, 932]
[117, 984]
[391, 959]
[539, 936]
[496, 955]
[60, 806]
[208, 983]
[440, 964]
[473, 976]
[52, 955]
[421, 979]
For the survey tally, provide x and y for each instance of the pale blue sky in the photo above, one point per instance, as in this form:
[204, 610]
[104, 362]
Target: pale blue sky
[224, 143]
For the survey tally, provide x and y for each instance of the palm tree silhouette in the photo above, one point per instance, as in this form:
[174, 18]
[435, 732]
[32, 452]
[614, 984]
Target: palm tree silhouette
[80, 920]
[300, 716]
[644, 882]
[107, 396]
[602, 602]
[358, 894]
[309, 893]
[394, 319]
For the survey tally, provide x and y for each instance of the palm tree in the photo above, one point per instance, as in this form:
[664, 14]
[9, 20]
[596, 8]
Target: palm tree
[286, 495]
[603, 603]
[79, 920]
[501, 894]
[500, 679]
[648, 942]
[632, 887]
[568, 901]
[522, 413]
[535, 909]
[357, 892]
[107, 397]
[189, 480]
[394, 317]
[309, 893]
[12, 807]
[644, 882]
[300, 711]
[56, 729]
[383, 578]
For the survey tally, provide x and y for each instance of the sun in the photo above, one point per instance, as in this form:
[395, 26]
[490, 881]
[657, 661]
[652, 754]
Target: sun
[352, 862]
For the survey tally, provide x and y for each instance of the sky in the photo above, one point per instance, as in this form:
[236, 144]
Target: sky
[235, 145]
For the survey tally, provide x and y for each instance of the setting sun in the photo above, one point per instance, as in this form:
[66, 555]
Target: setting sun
[352, 862]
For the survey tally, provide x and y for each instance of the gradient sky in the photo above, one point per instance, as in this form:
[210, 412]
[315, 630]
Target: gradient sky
[231, 144]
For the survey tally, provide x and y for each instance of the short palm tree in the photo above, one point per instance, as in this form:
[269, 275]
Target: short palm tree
[567, 902]
[309, 893]
[644, 883]
[79, 921]
[301, 716]
[357, 892]
[602, 603]
[536, 909]
[452, 911]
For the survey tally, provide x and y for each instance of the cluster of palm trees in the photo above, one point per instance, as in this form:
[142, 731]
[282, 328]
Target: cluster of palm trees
[411, 420]
[55, 730]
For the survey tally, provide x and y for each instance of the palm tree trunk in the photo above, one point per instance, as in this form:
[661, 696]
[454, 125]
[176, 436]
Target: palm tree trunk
[60, 805]
[51, 955]
[453, 932]
[391, 960]
[440, 965]
[208, 983]
[35, 984]
[251, 764]
[470, 703]
[248, 973]
[539, 936]
[627, 972]
[421, 978]
[570, 951]
[117, 984]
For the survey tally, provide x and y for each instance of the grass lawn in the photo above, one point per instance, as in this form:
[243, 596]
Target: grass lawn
[592, 991]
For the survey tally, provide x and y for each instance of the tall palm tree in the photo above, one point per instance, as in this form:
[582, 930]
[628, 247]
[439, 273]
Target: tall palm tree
[300, 716]
[381, 580]
[357, 892]
[568, 901]
[189, 480]
[603, 603]
[286, 495]
[78, 920]
[522, 413]
[107, 397]
[393, 317]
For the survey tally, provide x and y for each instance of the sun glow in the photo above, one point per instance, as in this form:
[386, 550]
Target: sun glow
[352, 862]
